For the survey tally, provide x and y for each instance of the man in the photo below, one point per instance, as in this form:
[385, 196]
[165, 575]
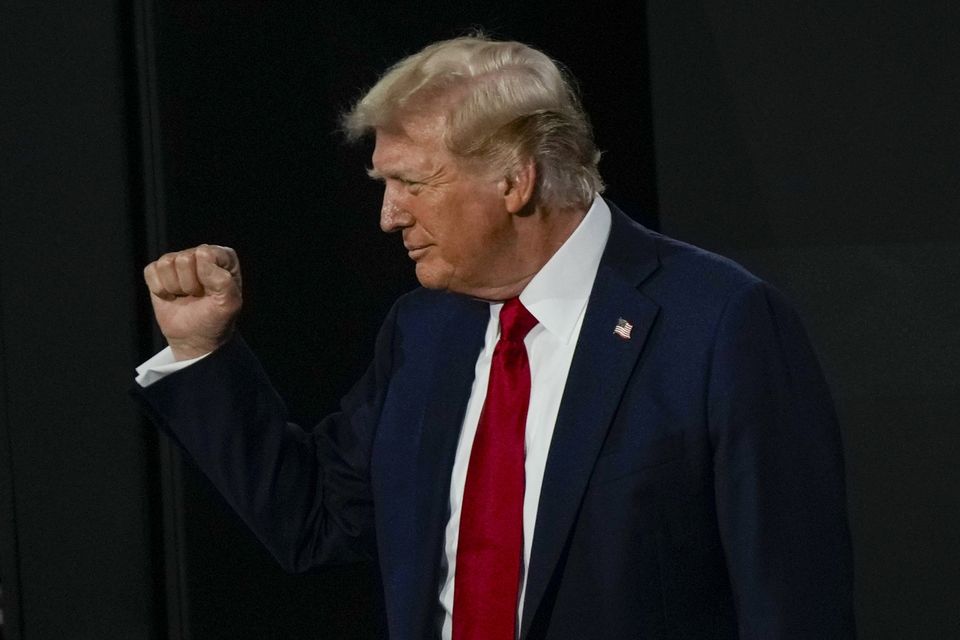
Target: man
[577, 429]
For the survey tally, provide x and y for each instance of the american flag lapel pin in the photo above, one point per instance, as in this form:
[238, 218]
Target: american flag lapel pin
[623, 329]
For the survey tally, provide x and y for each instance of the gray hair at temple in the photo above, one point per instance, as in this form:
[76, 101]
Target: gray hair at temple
[505, 103]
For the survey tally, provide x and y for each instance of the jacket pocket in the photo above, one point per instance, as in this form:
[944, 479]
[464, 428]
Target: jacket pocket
[629, 459]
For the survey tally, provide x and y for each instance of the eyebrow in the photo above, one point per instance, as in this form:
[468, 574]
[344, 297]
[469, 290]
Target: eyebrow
[393, 175]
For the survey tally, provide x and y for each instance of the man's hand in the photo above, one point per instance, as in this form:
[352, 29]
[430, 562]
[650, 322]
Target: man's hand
[196, 296]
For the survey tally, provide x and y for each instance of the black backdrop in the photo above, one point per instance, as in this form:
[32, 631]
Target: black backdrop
[816, 144]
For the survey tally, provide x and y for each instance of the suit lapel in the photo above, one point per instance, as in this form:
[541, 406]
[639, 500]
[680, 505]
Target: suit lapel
[460, 343]
[601, 366]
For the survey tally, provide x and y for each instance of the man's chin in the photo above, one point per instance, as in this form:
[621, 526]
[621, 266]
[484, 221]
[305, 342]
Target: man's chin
[429, 278]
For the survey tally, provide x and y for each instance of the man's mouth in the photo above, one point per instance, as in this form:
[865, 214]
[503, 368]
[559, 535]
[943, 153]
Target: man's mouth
[417, 251]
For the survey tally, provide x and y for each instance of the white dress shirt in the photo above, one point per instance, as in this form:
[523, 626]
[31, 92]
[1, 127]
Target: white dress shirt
[557, 298]
[162, 365]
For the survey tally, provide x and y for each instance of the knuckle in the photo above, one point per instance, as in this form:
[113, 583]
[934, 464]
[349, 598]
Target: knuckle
[220, 277]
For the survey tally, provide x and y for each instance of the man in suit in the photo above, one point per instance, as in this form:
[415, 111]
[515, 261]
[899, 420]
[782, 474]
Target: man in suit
[577, 428]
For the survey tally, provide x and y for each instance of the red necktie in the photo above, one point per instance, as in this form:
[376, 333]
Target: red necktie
[490, 544]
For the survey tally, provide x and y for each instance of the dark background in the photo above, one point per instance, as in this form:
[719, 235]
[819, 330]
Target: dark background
[817, 143]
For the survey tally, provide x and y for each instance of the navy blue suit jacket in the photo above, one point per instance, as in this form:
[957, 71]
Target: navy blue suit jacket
[694, 486]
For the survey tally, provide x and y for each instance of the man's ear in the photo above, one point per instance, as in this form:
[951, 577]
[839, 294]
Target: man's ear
[518, 188]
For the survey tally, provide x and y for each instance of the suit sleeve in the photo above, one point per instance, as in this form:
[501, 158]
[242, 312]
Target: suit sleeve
[304, 493]
[778, 475]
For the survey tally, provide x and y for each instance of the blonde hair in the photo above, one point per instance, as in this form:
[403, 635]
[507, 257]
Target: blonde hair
[506, 103]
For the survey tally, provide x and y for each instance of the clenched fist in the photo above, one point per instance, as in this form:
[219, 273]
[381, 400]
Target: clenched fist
[196, 295]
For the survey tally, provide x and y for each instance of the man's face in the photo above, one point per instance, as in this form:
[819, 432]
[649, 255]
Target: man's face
[452, 216]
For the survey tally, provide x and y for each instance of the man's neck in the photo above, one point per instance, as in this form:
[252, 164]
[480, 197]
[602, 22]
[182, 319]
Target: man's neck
[540, 235]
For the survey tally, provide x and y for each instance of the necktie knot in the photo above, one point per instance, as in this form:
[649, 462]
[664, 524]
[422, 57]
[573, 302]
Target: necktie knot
[515, 321]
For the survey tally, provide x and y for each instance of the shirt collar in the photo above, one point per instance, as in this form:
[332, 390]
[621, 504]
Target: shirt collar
[558, 294]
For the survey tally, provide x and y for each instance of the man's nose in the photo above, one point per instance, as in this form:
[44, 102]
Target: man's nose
[393, 215]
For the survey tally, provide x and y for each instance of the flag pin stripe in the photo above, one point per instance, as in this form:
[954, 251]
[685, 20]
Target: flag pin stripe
[623, 329]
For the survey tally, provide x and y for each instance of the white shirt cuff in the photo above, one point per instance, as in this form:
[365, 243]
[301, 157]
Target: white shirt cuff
[162, 365]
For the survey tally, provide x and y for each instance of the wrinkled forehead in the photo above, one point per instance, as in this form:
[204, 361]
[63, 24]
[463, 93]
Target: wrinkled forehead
[422, 124]
[421, 127]
[411, 145]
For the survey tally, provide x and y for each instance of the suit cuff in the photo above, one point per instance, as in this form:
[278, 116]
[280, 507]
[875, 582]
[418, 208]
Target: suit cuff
[161, 365]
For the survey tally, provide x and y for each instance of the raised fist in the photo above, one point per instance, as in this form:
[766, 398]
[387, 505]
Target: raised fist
[196, 295]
